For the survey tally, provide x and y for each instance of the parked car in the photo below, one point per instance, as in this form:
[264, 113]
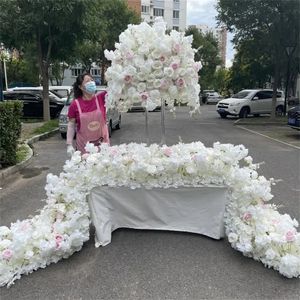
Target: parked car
[53, 94]
[212, 97]
[113, 116]
[246, 102]
[63, 90]
[294, 117]
[33, 103]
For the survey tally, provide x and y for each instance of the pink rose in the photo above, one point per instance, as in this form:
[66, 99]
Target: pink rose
[144, 97]
[167, 151]
[180, 83]
[247, 216]
[290, 236]
[128, 78]
[85, 156]
[162, 59]
[176, 48]
[174, 66]
[129, 55]
[58, 240]
[7, 254]
[164, 84]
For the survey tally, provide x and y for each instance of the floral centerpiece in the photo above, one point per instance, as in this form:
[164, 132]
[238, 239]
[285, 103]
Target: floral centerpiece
[150, 66]
[253, 227]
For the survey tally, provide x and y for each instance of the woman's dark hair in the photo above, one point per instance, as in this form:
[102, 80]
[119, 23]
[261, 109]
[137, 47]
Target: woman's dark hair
[77, 83]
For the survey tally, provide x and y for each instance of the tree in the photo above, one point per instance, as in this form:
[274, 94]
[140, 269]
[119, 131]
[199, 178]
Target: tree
[51, 26]
[105, 22]
[274, 22]
[207, 53]
[252, 66]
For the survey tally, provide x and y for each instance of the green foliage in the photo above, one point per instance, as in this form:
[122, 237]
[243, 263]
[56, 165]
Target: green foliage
[50, 27]
[10, 130]
[263, 29]
[22, 70]
[105, 22]
[207, 53]
[22, 152]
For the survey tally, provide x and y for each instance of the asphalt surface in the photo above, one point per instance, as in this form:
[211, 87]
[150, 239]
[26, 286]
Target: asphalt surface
[140, 264]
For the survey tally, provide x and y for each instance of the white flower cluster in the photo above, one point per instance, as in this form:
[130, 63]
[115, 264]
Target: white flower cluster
[253, 227]
[149, 66]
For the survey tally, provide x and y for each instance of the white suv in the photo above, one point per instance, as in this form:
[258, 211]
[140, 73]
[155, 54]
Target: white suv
[253, 102]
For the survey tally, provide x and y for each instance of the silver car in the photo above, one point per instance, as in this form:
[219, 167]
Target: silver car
[113, 116]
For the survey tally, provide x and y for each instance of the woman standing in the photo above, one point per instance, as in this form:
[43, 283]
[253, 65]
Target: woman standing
[87, 115]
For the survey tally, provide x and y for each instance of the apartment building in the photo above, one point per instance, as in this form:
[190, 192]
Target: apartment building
[173, 12]
[135, 5]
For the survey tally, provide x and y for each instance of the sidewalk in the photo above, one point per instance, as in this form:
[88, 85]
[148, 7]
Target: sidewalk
[28, 138]
[274, 129]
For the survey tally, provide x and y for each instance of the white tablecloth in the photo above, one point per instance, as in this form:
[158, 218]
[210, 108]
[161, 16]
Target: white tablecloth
[198, 210]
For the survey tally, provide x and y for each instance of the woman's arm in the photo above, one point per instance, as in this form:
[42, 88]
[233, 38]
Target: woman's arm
[70, 131]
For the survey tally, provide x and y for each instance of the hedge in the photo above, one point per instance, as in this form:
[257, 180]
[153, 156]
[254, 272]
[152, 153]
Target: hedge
[10, 131]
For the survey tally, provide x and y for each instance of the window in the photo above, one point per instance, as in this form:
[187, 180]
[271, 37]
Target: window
[176, 28]
[158, 12]
[145, 9]
[264, 95]
[76, 71]
[95, 72]
[175, 14]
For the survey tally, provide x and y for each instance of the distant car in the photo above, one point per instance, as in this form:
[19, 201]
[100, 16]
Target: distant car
[113, 116]
[33, 103]
[63, 90]
[294, 117]
[212, 97]
[52, 93]
[246, 102]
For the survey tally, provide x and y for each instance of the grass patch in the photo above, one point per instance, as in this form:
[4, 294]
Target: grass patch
[22, 153]
[47, 126]
[25, 120]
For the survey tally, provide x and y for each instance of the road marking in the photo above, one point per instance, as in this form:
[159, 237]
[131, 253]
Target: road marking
[276, 140]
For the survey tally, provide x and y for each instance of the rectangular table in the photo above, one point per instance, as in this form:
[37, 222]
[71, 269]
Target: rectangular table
[197, 210]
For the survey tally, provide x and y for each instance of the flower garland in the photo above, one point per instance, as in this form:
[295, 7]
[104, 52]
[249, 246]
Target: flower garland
[149, 65]
[253, 227]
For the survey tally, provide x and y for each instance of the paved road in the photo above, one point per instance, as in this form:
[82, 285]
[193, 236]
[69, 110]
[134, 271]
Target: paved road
[156, 264]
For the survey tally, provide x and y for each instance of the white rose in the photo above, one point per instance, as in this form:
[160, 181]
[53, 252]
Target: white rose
[157, 65]
[5, 244]
[141, 87]
[169, 72]
[5, 230]
[157, 83]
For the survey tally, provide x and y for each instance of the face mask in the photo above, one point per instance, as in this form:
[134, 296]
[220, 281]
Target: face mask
[90, 87]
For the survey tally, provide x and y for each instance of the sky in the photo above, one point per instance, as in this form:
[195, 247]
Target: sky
[204, 12]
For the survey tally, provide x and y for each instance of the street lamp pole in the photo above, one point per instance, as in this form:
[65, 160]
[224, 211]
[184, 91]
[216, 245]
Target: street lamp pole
[5, 75]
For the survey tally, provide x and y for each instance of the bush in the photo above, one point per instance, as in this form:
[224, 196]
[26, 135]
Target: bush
[10, 130]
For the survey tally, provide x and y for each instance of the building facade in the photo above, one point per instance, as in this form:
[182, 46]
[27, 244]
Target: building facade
[173, 12]
[135, 5]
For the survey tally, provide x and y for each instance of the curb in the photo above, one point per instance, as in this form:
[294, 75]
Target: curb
[29, 144]
[239, 122]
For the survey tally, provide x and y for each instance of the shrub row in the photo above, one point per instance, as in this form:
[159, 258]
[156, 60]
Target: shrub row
[10, 130]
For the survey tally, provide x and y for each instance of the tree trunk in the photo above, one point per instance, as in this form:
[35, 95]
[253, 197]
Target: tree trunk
[44, 73]
[276, 82]
[102, 73]
[45, 78]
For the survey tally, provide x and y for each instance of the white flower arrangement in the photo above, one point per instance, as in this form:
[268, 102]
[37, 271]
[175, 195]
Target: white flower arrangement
[253, 227]
[149, 66]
